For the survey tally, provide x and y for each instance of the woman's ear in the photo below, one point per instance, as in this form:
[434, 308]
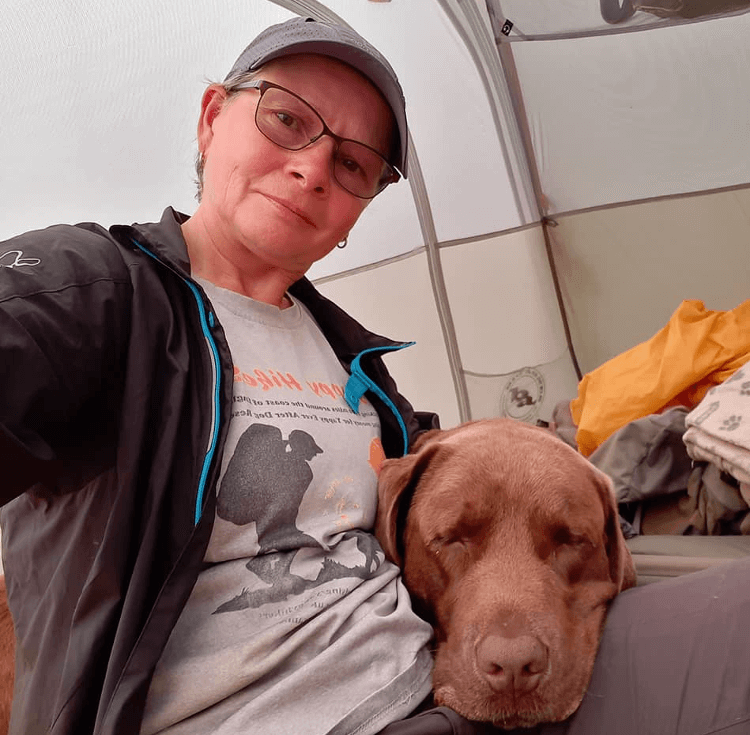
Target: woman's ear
[211, 104]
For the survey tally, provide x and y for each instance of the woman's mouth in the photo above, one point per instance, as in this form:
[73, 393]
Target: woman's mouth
[291, 208]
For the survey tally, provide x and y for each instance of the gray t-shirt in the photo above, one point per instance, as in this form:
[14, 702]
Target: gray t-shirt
[297, 624]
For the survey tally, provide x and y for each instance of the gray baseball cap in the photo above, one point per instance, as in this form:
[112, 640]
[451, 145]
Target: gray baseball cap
[310, 36]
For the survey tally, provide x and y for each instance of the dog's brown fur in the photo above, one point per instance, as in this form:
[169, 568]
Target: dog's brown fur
[7, 659]
[510, 545]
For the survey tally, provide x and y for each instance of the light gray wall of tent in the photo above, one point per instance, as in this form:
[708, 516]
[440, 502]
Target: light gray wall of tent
[573, 162]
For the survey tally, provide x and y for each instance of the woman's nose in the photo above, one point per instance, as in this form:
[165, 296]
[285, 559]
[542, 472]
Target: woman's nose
[312, 166]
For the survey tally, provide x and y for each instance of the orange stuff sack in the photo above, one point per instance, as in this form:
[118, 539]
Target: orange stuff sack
[696, 350]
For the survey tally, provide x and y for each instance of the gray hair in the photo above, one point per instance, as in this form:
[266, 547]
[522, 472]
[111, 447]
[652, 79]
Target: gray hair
[232, 85]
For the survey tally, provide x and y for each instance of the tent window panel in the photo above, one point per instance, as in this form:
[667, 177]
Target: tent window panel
[506, 279]
[635, 116]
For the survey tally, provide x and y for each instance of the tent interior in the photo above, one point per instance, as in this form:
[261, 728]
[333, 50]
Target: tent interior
[577, 170]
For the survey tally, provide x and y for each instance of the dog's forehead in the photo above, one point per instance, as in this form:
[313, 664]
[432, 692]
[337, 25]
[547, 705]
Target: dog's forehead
[505, 436]
[520, 460]
[474, 432]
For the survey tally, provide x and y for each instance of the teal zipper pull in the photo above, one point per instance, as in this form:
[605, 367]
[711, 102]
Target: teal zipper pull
[359, 383]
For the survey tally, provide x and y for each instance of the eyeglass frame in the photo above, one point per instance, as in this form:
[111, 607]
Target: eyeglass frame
[263, 86]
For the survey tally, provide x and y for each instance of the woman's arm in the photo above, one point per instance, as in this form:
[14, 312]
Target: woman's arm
[64, 315]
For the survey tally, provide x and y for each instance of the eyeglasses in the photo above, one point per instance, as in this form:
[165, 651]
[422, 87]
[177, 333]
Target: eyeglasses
[289, 122]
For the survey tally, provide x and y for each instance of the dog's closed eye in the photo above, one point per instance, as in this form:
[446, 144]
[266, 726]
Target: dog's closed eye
[565, 536]
[455, 545]
[575, 556]
[450, 553]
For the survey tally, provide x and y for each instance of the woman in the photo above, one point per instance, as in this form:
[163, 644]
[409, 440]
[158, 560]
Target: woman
[195, 553]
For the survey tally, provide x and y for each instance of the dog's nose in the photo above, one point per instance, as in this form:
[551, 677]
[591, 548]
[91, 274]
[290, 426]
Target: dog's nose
[514, 664]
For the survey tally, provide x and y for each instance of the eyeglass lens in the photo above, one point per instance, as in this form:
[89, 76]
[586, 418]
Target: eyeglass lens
[291, 123]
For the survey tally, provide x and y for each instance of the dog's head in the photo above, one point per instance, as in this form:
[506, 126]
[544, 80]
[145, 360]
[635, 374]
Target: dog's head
[510, 544]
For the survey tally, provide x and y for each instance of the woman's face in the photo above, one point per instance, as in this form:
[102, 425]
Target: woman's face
[284, 207]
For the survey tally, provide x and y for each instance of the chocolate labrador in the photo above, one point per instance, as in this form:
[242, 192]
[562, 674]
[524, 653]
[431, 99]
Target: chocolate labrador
[510, 544]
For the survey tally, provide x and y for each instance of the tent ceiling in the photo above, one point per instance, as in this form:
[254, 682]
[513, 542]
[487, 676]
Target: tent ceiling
[568, 18]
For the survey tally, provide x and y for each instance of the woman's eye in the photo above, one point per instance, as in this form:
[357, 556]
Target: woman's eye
[286, 119]
[350, 165]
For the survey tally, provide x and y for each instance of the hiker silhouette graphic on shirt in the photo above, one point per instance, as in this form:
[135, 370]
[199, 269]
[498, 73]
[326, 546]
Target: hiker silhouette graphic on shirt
[265, 481]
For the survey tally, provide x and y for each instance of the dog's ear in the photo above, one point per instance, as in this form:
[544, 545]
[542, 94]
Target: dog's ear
[622, 569]
[397, 482]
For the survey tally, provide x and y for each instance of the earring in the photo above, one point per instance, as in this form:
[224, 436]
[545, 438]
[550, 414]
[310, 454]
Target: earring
[343, 243]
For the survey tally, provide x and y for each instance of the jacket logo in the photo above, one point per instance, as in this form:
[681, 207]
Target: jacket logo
[14, 259]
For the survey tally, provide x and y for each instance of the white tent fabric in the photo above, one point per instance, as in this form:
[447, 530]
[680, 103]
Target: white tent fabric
[624, 117]
[575, 162]
[547, 19]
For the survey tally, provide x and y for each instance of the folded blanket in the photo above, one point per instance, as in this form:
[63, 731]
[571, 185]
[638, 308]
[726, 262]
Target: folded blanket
[718, 428]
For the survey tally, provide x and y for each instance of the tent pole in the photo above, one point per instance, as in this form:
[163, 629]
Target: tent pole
[429, 236]
[517, 107]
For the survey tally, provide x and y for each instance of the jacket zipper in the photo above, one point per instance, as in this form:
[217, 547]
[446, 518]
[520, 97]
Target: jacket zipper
[207, 323]
[359, 383]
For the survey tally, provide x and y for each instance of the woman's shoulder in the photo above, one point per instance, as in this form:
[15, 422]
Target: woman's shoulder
[60, 256]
